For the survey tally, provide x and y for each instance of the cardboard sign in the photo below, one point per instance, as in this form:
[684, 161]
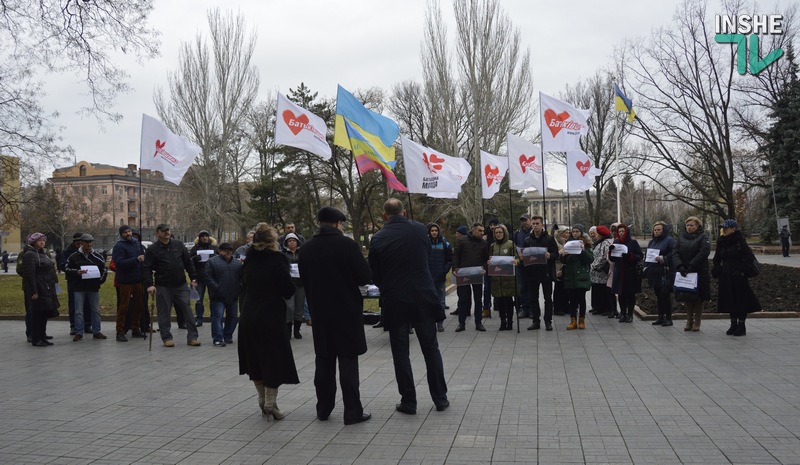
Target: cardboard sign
[501, 265]
[469, 275]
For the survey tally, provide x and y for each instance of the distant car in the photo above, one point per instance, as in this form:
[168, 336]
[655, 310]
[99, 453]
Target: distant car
[12, 257]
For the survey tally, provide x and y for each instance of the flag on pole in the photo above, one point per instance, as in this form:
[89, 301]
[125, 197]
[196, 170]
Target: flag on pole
[163, 151]
[369, 135]
[623, 103]
[297, 127]
[580, 171]
[430, 171]
[493, 170]
[562, 124]
[525, 164]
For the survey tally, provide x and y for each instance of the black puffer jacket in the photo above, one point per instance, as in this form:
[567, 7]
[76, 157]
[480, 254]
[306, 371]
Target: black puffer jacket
[170, 262]
[39, 277]
[223, 278]
[545, 271]
[655, 271]
[691, 255]
[470, 251]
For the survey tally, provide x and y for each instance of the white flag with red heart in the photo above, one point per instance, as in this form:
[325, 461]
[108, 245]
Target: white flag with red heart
[562, 124]
[525, 164]
[430, 171]
[580, 171]
[493, 170]
[297, 127]
[162, 150]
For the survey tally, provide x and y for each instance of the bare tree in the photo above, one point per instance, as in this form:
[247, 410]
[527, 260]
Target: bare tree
[211, 95]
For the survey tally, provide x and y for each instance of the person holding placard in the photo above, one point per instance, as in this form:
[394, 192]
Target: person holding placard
[470, 251]
[734, 262]
[625, 253]
[86, 269]
[503, 288]
[563, 234]
[204, 248]
[601, 301]
[540, 273]
[295, 304]
[659, 271]
[691, 256]
[577, 259]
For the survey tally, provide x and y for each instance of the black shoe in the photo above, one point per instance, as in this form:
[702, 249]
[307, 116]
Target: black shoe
[667, 323]
[364, 417]
[72, 332]
[48, 337]
[658, 322]
[447, 307]
[322, 417]
[121, 338]
[181, 325]
[479, 327]
[731, 330]
[138, 334]
[219, 344]
[410, 330]
[40, 344]
[614, 314]
[740, 329]
[198, 323]
[443, 406]
[548, 326]
[439, 327]
[297, 335]
[536, 325]
[228, 341]
[47, 342]
[29, 339]
[454, 312]
[405, 409]
[460, 328]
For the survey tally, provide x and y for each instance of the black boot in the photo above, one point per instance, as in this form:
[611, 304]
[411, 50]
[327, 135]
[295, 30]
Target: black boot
[740, 329]
[510, 324]
[667, 319]
[289, 326]
[622, 315]
[614, 314]
[297, 325]
[658, 322]
[629, 315]
[732, 329]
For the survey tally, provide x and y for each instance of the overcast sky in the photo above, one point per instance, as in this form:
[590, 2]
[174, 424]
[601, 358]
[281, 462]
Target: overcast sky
[355, 43]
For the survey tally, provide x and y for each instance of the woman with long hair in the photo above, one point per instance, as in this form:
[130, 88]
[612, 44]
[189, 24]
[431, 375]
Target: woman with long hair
[576, 277]
[265, 354]
[504, 288]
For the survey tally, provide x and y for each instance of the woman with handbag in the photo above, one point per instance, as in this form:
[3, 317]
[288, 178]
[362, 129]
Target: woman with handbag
[734, 263]
[690, 255]
[39, 283]
[659, 272]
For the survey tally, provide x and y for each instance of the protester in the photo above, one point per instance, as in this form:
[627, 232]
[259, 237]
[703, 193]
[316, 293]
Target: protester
[625, 282]
[504, 288]
[265, 354]
[525, 301]
[576, 277]
[471, 250]
[661, 272]
[39, 284]
[542, 274]
[86, 290]
[170, 262]
[204, 248]
[332, 268]
[487, 282]
[690, 255]
[785, 236]
[559, 294]
[601, 297]
[440, 260]
[461, 231]
[127, 258]
[5, 261]
[241, 252]
[398, 258]
[734, 262]
[290, 228]
[87, 316]
[294, 305]
[223, 275]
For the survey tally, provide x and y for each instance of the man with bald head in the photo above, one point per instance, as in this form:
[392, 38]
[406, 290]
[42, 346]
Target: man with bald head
[398, 258]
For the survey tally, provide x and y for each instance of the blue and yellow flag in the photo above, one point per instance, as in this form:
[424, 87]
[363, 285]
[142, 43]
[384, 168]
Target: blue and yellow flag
[623, 103]
[369, 135]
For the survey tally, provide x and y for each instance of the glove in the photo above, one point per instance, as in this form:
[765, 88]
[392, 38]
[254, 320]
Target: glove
[683, 271]
[611, 247]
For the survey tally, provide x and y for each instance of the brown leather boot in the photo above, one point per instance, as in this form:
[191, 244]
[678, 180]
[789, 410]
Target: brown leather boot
[697, 317]
[573, 324]
[581, 323]
[689, 317]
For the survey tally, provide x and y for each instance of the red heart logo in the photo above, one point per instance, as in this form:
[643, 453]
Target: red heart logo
[296, 124]
[554, 120]
[525, 162]
[490, 174]
[430, 160]
[583, 167]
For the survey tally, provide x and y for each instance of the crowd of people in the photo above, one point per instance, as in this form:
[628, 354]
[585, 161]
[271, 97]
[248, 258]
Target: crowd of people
[280, 282]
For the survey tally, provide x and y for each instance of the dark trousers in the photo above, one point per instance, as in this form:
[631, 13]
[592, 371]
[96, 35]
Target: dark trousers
[612, 300]
[533, 297]
[600, 302]
[663, 303]
[199, 309]
[28, 321]
[426, 335]
[785, 248]
[523, 304]
[576, 301]
[38, 326]
[559, 298]
[627, 302]
[467, 294]
[325, 384]
[487, 292]
[505, 306]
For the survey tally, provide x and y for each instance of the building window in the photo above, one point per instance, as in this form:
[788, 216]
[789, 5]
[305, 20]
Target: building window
[83, 191]
[104, 190]
[83, 170]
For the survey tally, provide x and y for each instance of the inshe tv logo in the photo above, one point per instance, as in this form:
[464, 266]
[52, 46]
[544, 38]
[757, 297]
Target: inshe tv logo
[736, 29]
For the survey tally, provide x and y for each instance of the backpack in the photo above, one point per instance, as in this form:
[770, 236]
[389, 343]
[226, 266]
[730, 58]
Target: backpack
[19, 262]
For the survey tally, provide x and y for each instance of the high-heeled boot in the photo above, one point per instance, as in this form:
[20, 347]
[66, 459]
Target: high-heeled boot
[271, 406]
[261, 396]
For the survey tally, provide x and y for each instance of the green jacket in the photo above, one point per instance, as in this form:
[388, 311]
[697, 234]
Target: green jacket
[576, 270]
[504, 286]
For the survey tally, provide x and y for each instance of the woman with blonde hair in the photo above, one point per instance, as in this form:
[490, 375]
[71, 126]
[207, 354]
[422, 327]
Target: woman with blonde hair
[504, 288]
[576, 277]
[690, 255]
[265, 353]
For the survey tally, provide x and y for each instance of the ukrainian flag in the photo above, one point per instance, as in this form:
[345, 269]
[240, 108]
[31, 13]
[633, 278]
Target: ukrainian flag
[623, 103]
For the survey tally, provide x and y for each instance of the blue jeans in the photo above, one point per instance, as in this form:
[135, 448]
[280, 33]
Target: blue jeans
[199, 309]
[441, 292]
[306, 311]
[92, 299]
[231, 310]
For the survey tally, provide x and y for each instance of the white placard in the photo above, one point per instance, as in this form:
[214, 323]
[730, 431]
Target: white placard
[686, 283]
[573, 247]
[651, 255]
[92, 272]
[619, 249]
[205, 254]
[294, 270]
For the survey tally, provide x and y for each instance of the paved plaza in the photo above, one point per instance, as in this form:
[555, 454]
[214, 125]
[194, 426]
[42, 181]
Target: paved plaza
[614, 393]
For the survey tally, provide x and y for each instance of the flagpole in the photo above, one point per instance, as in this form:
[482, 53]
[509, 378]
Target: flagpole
[410, 206]
[619, 215]
[544, 191]
[141, 209]
[330, 192]
[569, 211]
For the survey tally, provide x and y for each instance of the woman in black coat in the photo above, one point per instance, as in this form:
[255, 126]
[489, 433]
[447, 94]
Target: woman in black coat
[660, 273]
[691, 256]
[39, 281]
[265, 353]
[625, 282]
[733, 261]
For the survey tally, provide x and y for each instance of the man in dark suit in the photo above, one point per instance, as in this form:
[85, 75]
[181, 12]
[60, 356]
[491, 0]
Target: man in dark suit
[398, 257]
[331, 268]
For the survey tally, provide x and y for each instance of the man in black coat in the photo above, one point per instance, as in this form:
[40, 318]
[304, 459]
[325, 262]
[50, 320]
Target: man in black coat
[542, 274]
[331, 268]
[398, 257]
[471, 250]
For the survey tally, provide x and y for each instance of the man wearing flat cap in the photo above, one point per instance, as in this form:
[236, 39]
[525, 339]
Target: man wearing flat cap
[86, 270]
[332, 268]
[128, 256]
[170, 262]
[87, 315]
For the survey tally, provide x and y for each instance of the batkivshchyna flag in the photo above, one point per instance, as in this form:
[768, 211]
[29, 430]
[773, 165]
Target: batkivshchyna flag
[430, 171]
[562, 124]
[163, 151]
[580, 171]
[465, 168]
[525, 164]
[623, 103]
[369, 135]
[297, 127]
[493, 170]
